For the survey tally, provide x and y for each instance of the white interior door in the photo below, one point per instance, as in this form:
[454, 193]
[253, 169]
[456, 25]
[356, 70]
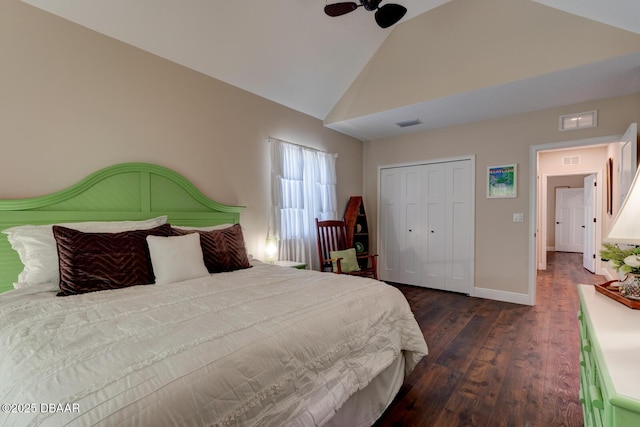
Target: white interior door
[459, 251]
[426, 225]
[400, 225]
[569, 220]
[589, 250]
[436, 233]
[410, 225]
[389, 225]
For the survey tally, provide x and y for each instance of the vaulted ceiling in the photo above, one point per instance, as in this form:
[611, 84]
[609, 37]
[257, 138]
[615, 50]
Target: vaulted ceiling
[341, 69]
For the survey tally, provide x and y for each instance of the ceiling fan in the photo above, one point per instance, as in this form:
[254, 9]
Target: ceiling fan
[385, 16]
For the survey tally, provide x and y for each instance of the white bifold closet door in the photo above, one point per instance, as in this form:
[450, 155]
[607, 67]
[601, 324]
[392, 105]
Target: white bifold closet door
[425, 225]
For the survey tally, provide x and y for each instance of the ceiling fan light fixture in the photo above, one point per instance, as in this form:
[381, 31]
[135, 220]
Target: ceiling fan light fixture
[389, 14]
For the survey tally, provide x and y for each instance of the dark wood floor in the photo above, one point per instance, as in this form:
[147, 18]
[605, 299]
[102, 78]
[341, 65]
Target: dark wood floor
[492, 363]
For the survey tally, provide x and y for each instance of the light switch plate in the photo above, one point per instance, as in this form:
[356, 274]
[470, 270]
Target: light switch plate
[518, 217]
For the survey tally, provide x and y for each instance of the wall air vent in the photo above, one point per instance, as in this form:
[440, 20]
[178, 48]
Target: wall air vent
[588, 119]
[570, 160]
[408, 123]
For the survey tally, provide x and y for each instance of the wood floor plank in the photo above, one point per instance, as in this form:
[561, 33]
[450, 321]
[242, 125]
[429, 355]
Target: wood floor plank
[492, 363]
[462, 350]
[473, 402]
[421, 402]
[520, 396]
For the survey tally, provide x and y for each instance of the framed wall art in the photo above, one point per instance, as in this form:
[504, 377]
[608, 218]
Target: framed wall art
[502, 181]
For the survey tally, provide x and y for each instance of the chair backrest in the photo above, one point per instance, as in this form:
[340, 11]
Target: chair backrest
[331, 237]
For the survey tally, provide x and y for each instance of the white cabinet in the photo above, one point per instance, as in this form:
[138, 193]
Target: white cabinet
[426, 236]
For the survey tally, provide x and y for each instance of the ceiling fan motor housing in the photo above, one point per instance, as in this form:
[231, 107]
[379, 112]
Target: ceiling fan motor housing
[370, 4]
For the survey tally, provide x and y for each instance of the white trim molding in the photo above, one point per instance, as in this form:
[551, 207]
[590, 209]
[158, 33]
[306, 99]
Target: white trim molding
[504, 296]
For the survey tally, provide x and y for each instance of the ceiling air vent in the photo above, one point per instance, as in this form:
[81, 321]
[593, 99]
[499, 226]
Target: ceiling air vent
[408, 123]
[588, 119]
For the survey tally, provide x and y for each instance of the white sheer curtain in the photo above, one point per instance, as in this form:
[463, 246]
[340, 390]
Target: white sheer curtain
[303, 188]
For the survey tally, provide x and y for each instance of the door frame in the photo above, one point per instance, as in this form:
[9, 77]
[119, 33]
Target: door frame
[540, 259]
[472, 231]
[591, 231]
[538, 188]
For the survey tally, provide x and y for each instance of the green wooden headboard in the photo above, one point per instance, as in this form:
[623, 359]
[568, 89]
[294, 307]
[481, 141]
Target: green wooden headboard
[128, 191]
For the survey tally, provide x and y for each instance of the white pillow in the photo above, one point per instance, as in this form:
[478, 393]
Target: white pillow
[207, 228]
[38, 252]
[176, 258]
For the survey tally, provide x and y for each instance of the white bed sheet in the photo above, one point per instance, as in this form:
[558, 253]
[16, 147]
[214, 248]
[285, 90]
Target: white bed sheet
[267, 346]
[365, 406]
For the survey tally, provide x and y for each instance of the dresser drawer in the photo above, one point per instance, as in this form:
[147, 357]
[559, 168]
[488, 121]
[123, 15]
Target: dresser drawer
[590, 380]
[587, 361]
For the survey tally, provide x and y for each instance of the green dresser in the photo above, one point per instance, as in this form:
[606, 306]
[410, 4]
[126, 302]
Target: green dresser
[609, 360]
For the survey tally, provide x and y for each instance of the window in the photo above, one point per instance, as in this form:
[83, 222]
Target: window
[303, 188]
[587, 119]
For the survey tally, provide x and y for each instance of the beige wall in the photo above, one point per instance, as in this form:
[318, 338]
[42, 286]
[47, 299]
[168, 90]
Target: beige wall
[501, 246]
[73, 101]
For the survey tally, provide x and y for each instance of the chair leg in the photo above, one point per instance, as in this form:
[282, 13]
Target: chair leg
[375, 267]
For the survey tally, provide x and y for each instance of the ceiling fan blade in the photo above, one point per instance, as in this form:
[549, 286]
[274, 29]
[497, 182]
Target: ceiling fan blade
[337, 9]
[389, 14]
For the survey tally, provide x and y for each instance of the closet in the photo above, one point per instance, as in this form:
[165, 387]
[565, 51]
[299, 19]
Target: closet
[426, 225]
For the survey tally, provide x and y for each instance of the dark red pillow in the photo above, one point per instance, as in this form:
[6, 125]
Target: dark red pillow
[98, 261]
[222, 250]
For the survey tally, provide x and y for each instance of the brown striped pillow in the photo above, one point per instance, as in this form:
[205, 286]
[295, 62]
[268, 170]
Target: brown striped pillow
[223, 250]
[98, 261]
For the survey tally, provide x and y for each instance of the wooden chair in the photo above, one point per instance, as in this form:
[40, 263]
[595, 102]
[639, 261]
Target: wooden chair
[332, 236]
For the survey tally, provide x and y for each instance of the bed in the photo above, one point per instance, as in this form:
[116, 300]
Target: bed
[239, 342]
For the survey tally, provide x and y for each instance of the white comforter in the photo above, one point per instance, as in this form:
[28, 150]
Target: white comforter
[263, 346]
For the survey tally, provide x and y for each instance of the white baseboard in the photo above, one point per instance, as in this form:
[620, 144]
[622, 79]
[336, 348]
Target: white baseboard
[504, 296]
